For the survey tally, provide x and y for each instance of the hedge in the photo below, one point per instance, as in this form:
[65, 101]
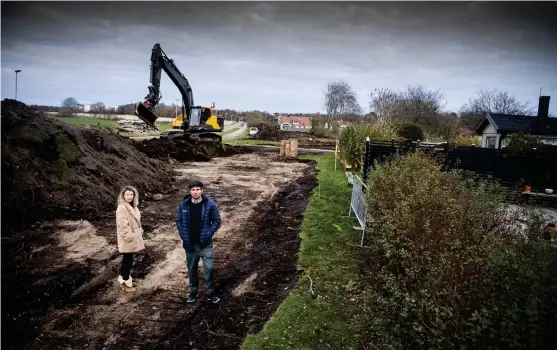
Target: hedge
[447, 267]
[352, 140]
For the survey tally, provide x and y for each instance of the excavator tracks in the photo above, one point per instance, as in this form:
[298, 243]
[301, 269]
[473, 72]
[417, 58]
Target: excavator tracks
[197, 137]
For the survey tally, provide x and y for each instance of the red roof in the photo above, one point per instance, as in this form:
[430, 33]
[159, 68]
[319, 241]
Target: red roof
[466, 132]
[302, 121]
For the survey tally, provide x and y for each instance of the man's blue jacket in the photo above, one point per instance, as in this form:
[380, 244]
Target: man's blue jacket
[210, 221]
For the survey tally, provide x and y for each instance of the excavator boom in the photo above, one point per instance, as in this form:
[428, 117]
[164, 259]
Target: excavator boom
[159, 62]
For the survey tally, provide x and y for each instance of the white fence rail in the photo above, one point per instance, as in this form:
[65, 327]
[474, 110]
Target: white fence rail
[358, 204]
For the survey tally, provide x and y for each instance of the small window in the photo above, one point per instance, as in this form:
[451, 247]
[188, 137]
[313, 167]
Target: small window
[490, 141]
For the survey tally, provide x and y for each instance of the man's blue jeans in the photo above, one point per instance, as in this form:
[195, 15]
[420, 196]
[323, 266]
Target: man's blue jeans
[192, 258]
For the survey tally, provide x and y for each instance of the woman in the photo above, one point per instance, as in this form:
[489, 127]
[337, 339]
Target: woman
[130, 234]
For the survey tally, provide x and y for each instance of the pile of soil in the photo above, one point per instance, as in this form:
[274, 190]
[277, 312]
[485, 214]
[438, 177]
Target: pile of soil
[268, 133]
[182, 150]
[305, 139]
[273, 133]
[51, 169]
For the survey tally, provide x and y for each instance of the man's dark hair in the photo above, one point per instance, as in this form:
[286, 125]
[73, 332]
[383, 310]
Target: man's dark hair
[195, 184]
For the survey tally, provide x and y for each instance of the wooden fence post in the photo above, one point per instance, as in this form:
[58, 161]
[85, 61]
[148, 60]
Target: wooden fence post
[367, 161]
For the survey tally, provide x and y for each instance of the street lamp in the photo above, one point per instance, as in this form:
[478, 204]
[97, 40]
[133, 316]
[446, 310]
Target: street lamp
[16, 71]
[177, 107]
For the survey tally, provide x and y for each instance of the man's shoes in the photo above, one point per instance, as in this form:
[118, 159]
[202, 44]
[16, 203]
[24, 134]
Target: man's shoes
[213, 299]
[192, 297]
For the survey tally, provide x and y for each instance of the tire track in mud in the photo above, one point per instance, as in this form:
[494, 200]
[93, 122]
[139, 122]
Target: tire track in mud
[253, 284]
[261, 201]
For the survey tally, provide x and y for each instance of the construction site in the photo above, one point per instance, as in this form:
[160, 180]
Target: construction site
[59, 254]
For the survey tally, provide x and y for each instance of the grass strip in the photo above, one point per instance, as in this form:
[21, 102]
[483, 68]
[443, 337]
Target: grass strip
[329, 319]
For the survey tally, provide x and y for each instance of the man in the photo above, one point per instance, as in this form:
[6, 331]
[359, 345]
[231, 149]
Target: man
[197, 221]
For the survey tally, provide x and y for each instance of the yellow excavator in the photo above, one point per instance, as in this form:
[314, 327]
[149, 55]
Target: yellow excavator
[179, 120]
[200, 123]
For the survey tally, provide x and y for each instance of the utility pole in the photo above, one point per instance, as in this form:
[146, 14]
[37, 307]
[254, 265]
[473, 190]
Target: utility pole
[177, 100]
[16, 71]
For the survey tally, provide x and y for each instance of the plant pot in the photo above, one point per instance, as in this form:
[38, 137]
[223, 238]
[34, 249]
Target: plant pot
[527, 188]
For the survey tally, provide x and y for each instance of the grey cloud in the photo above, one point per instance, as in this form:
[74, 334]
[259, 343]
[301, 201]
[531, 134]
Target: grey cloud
[268, 54]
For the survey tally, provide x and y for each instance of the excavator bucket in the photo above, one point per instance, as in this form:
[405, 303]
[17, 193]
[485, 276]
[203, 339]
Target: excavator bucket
[146, 114]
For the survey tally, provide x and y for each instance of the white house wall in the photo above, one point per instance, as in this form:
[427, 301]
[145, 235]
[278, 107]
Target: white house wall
[490, 131]
[549, 140]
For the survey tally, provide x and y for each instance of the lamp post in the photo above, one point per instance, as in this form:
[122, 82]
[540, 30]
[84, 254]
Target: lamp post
[177, 100]
[16, 71]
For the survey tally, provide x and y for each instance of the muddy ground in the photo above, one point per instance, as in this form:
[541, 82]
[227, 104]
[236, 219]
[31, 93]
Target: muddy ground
[59, 289]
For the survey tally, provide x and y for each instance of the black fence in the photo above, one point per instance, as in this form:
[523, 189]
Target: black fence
[512, 169]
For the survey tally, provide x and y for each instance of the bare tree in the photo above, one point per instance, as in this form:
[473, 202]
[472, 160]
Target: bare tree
[340, 99]
[70, 103]
[420, 103]
[126, 109]
[415, 104]
[70, 106]
[98, 107]
[446, 125]
[491, 101]
[385, 103]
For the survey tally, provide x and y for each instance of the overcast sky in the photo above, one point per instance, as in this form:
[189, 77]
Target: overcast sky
[277, 56]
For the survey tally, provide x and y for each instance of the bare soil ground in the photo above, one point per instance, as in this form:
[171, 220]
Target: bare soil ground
[60, 289]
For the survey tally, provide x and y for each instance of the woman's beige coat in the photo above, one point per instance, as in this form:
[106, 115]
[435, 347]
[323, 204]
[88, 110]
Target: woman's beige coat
[128, 225]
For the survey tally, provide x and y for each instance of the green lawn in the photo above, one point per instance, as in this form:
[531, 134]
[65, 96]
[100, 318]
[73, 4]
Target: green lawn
[88, 121]
[330, 320]
[244, 139]
[102, 122]
[226, 132]
[241, 141]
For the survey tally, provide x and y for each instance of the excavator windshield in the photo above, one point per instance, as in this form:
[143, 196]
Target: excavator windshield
[195, 117]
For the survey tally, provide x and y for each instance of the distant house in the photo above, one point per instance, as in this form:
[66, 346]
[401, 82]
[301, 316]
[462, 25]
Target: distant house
[496, 129]
[84, 107]
[294, 122]
[466, 132]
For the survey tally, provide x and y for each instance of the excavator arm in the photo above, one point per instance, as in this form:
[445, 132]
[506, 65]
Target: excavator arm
[198, 125]
[160, 62]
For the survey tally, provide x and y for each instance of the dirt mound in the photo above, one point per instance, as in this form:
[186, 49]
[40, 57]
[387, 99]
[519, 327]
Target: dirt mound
[268, 133]
[182, 150]
[305, 139]
[51, 169]
[273, 133]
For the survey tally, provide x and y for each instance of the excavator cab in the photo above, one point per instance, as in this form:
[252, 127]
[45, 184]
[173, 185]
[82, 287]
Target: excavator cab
[201, 118]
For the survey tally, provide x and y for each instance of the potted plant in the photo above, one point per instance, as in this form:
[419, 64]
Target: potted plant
[528, 186]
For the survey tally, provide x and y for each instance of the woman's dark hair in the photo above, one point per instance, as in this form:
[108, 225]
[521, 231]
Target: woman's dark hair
[126, 189]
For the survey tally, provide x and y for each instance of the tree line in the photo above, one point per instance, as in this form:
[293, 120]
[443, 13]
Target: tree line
[420, 105]
[415, 104]
[71, 105]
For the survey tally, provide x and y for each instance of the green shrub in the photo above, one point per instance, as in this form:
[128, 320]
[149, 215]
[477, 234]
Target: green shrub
[448, 267]
[322, 132]
[524, 142]
[466, 140]
[352, 140]
[410, 131]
